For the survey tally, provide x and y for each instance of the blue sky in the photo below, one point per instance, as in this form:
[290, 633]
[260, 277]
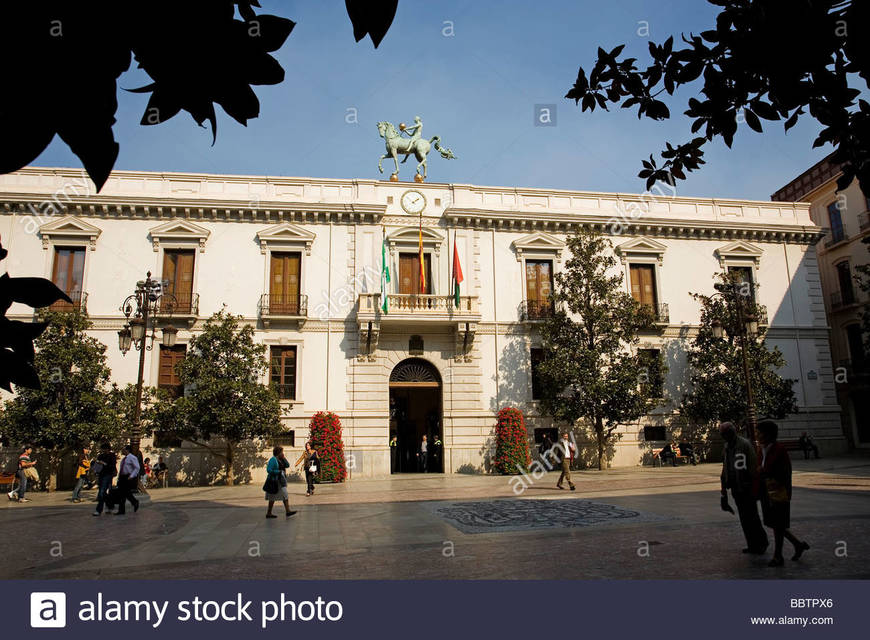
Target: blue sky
[476, 88]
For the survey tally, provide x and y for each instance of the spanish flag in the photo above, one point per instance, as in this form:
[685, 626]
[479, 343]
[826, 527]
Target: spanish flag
[457, 273]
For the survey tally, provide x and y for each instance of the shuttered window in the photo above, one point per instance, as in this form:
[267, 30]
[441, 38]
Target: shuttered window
[409, 273]
[68, 274]
[168, 378]
[284, 283]
[178, 275]
[643, 283]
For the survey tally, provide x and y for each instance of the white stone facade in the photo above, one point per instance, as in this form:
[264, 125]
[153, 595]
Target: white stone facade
[347, 349]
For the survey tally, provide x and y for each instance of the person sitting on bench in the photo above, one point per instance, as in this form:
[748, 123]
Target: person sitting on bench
[688, 451]
[668, 454]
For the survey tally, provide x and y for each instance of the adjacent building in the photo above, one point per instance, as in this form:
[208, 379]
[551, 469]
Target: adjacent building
[300, 260]
[845, 218]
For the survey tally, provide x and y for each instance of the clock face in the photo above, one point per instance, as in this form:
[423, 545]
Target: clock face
[413, 201]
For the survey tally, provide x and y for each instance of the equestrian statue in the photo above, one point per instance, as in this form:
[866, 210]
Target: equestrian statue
[414, 144]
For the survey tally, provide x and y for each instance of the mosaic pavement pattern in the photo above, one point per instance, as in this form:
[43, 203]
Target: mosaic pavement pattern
[524, 515]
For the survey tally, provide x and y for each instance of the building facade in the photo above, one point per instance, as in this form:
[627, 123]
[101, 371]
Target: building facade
[845, 219]
[300, 260]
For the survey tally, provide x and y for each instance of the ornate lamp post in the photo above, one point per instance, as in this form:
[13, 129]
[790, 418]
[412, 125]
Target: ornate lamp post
[744, 329]
[140, 309]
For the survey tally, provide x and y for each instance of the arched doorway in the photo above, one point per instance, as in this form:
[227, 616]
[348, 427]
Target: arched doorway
[415, 411]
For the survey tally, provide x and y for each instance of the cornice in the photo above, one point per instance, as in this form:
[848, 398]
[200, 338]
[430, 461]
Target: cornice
[695, 229]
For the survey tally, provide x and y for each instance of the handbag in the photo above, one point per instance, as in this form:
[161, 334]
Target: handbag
[31, 474]
[98, 466]
[776, 492]
[313, 468]
[271, 485]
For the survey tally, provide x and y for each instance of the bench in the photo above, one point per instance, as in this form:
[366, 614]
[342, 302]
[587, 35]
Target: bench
[795, 445]
[8, 479]
[679, 456]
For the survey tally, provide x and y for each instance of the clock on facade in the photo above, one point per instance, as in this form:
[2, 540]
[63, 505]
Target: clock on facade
[413, 202]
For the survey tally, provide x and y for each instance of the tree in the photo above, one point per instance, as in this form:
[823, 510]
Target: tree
[224, 401]
[73, 406]
[197, 53]
[590, 376]
[765, 60]
[717, 384]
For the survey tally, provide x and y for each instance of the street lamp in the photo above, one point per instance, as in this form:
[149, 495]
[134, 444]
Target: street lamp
[745, 329]
[139, 308]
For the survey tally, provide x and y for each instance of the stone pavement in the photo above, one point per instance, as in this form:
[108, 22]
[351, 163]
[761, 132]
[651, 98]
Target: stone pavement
[622, 523]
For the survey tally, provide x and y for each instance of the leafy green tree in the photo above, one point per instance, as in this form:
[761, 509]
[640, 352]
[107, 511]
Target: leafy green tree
[224, 405]
[73, 406]
[717, 389]
[774, 60]
[591, 377]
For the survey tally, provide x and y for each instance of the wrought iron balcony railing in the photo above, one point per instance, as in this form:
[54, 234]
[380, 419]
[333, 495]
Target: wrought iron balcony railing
[834, 238]
[864, 221]
[277, 305]
[662, 313]
[79, 302]
[536, 310]
[842, 298]
[179, 304]
[285, 391]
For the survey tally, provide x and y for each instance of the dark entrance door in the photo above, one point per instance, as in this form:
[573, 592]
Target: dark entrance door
[415, 411]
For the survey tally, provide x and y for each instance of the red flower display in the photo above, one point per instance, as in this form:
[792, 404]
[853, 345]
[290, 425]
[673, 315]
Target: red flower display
[325, 435]
[512, 442]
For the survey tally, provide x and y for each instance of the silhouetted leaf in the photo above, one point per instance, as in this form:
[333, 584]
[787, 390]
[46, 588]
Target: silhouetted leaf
[371, 17]
[34, 292]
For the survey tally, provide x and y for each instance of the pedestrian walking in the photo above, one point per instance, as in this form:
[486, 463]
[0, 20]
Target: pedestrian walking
[740, 474]
[310, 463]
[565, 451]
[105, 467]
[26, 473]
[276, 482]
[82, 469]
[128, 480]
[776, 492]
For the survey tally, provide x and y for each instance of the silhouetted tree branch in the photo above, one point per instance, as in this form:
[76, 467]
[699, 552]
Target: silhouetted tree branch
[765, 60]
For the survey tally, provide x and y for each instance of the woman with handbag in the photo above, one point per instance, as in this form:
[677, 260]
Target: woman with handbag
[275, 486]
[310, 462]
[776, 492]
[82, 469]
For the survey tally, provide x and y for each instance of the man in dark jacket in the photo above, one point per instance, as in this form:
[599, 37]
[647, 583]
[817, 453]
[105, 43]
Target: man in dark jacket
[740, 474]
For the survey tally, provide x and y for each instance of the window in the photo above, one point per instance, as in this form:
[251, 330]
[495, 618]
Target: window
[284, 283]
[539, 288]
[409, 273]
[286, 439]
[652, 383]
[643, 284]
[168, 378]
[651, 434]
[844, 277]
[537, 357]
[283, 372]
[837, 233]
[68, 274]
[855, 338]
[744, 275]
[178, 274]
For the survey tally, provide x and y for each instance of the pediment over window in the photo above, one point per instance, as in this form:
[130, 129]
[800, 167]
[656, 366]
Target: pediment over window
[179, 231]
[539, 245]
[69, 229]
[286, 235]
[407, 236]
[739, 251]
[643, 247]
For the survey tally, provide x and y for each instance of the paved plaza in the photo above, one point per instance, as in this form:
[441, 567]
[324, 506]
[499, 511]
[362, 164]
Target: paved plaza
[624, 523]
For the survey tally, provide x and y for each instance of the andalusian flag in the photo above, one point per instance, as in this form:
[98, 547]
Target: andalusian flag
[385, 276]
[422, 262]
[457, 273]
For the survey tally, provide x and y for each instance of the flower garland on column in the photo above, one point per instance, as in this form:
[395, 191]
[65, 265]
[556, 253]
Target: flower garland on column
[512, 442]
[325, 435]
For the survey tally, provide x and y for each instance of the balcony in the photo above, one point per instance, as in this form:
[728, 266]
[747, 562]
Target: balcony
[405, 307]
[79, 302]
[536, 310]
[857, 369]
[841, 299]
[179, 305]
[284, 391]
[864, 221]
[273, 306]
[761, 312]
[662, 313]
[831, 240]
